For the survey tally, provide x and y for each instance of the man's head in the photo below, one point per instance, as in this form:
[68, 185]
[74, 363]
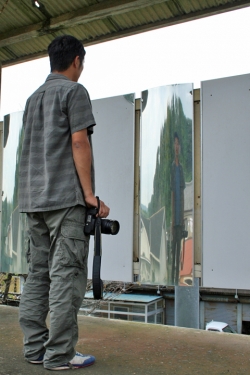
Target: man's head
[176, 144]
[65, 52]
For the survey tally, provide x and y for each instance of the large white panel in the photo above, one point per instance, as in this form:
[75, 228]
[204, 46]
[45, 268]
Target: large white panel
[113, 144]
[13, 224]
[226, 182]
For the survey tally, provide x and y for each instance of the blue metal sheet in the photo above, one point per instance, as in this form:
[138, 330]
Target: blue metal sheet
[143, 298]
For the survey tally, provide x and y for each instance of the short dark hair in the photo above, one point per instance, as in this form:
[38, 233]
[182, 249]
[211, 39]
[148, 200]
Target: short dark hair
[62, 52]
[176, 136]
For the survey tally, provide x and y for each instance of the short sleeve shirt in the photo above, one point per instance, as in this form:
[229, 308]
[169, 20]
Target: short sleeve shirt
[47, 175]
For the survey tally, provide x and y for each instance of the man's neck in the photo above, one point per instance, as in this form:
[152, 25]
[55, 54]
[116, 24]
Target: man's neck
[67, 73]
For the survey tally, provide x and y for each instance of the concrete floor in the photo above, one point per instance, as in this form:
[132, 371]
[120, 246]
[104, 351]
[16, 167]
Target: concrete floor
[124, 348]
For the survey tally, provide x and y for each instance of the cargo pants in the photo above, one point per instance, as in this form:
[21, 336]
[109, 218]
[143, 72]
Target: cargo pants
[56, 283]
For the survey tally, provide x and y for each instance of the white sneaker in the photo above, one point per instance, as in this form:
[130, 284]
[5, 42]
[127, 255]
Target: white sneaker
[79, 361]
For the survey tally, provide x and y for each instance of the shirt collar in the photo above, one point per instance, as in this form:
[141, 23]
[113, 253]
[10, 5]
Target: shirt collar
[53, 76]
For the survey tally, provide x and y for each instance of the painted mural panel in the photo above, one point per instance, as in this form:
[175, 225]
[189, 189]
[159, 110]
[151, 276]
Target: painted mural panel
[13, 223]
[166, 240]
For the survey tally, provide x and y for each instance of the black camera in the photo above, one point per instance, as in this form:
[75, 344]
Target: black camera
[184, 234]
[107, 226]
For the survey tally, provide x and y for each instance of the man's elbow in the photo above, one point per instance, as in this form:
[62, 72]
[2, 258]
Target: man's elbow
[80, 139]
[80, 144]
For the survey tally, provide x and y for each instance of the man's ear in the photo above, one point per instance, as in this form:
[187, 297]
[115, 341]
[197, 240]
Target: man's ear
[77, 62]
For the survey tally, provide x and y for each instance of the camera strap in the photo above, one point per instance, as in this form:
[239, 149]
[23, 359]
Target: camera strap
[96, 275]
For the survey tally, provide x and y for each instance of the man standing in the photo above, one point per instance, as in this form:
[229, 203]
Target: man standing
[177, 197]
[56, 183]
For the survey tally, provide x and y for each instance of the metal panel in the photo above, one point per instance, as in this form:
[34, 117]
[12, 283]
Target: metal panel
[166, 190]
[13, 224]
[169, 312]
[113, 144]
[221, 312]
[246, 312]
[225, 182]
[140, 298]
[187, 306]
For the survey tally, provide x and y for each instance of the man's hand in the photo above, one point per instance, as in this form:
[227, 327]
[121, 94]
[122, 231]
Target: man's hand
[91, 201]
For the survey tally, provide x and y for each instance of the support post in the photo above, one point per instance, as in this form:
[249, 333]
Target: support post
[239, 317]
[136, 187]
[187, 305]
[197, 185]
[1, 163]
[202, 315]
[0, 80]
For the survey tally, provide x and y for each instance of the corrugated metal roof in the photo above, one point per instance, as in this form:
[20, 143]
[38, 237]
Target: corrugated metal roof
[26, 31]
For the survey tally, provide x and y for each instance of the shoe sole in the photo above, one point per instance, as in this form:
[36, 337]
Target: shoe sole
[72, 367]
[35, 362]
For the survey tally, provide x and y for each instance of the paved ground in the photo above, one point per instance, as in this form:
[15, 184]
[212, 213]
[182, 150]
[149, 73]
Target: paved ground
[123, 348]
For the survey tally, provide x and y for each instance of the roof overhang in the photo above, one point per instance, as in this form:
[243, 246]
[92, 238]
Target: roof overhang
[26, 30]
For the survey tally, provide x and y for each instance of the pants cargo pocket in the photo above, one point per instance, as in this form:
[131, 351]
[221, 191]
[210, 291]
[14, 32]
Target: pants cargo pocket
[74, 245]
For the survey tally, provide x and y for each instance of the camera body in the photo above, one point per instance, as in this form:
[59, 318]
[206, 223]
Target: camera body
[107, 226]
[90, 221]
[184, 234]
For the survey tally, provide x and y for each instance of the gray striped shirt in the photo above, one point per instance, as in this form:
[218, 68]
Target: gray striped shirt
[47, 175]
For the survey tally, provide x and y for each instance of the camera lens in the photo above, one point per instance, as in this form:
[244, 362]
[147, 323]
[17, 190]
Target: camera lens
[110, 226]
[115, 226]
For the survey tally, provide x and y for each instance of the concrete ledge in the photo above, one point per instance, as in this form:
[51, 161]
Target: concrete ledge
[124, 348]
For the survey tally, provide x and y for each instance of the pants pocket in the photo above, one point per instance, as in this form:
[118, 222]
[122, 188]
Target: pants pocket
[74, 246]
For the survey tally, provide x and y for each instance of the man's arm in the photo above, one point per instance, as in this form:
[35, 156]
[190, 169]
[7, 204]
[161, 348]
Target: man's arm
[82, 158]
